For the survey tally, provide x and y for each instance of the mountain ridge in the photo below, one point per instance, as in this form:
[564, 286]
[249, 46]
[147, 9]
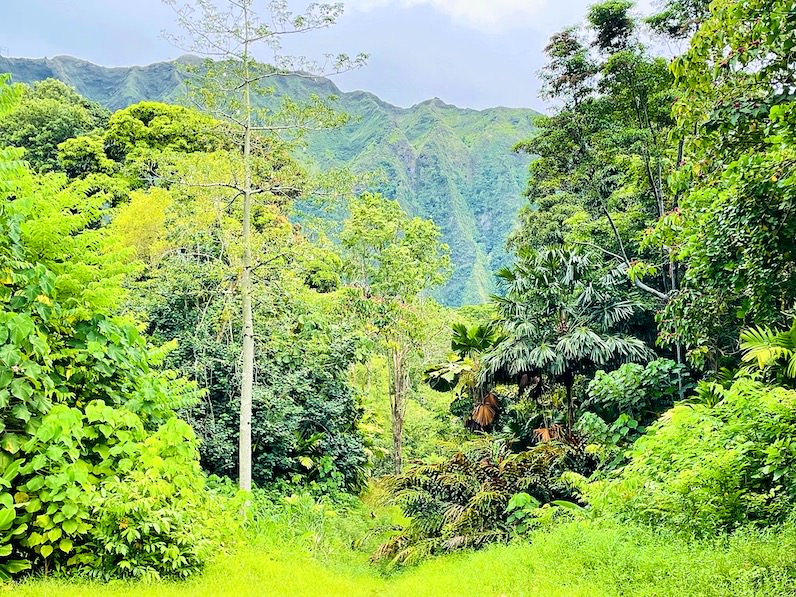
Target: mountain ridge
[450, 164]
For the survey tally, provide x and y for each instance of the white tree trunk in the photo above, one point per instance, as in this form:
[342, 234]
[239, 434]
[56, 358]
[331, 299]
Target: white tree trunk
[247, 380]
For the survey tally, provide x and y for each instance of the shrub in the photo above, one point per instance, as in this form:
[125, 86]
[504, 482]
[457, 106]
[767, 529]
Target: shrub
[623, 401]
[97, 491]
[79, 392]
[60, 468]
[463, 502]
[86, 416]
[158, 520]
[703, 469]
[639, 391]
[608, 442]
[324, 525]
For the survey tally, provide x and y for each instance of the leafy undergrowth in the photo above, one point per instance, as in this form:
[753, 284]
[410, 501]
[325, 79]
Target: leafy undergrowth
[577, 559]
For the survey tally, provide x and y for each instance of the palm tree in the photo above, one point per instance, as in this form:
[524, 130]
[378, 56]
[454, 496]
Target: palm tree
[562, 316]
[462, 368]
[768, 347]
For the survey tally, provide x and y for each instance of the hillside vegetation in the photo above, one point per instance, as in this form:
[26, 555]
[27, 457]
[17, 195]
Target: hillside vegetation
[451, 165]
[206, 390]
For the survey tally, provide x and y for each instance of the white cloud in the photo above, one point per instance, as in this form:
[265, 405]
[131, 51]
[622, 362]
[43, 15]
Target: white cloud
[486, 15]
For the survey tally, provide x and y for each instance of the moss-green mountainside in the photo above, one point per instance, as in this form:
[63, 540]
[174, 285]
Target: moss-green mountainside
[452, 165]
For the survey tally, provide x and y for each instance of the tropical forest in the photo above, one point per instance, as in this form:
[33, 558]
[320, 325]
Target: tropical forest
[262, 336]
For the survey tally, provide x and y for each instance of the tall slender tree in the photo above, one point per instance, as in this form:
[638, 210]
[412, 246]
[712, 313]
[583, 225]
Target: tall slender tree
[229, 33]
[393, 258]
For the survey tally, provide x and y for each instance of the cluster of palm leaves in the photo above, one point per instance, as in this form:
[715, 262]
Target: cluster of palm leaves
[562, 315]
[462, 502]
[769, 348]
[462, 370]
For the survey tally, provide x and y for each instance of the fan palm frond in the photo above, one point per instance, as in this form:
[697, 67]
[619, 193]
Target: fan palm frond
[469, 342]
[768, 347]
[444, 377]
[628, 348]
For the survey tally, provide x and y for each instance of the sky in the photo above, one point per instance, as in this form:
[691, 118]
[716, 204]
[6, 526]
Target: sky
[470, 53]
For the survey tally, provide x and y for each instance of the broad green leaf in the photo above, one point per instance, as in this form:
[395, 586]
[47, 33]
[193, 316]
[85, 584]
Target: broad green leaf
[15, 566]
[70, 510]
[7, 516]
[21, 412]
[20, 328]
[35, 484]
[10, 473]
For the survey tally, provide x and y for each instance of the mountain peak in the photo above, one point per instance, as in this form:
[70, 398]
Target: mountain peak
[436, 102]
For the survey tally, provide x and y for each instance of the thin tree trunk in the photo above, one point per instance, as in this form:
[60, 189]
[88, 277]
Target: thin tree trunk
[568, 381]
[674, 274]
[399, 385]
[247, 381]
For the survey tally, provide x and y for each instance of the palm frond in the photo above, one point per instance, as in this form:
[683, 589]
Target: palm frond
[767, 347]
[461, 503]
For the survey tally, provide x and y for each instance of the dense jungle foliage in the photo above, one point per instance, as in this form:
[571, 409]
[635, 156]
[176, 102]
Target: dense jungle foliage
[620, 419]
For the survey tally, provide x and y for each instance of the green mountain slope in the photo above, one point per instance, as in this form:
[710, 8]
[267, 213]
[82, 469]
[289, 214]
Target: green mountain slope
[452, 165]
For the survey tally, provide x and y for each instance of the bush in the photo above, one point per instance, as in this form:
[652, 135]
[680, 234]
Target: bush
[95, 490]
[58, 476]
[639, 391]
[463, 502]
[623, 401]
[703, 469]
[158, 520]
[79, 395]
[89, 438]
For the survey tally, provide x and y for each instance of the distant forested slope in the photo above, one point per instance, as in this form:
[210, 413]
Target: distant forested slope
[452, 165]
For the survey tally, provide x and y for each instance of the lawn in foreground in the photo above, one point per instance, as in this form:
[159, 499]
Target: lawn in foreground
[574, 560]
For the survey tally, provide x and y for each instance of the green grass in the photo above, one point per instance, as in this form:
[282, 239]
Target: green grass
[574, 560]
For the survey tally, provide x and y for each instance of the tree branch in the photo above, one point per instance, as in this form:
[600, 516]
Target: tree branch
[638, 283]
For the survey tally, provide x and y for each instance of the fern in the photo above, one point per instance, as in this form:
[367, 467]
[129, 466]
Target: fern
[462, 503]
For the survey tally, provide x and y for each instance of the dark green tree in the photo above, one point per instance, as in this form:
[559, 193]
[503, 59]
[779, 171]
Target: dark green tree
[48, 114]
[560, 320]
[733, 233]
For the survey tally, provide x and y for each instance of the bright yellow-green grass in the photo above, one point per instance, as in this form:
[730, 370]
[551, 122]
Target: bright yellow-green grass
[573, 560]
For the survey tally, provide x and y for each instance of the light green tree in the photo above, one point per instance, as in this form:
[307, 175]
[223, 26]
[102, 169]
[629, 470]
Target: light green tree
[393, 259]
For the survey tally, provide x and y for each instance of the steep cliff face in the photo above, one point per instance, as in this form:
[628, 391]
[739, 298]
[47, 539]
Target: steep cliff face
[452, 165]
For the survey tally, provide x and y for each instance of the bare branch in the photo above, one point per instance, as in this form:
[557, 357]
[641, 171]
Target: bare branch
[616, 234]
[661, 295]
[599, 248]
[638, 283]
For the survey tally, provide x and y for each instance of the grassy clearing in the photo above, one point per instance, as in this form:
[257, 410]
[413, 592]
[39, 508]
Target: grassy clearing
[574, 560]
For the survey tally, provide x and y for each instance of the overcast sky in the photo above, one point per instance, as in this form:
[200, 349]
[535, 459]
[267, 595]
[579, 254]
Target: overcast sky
[471, 53]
